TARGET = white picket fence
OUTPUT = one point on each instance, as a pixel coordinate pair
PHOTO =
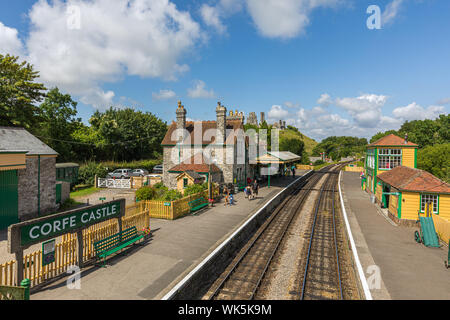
(114, 183)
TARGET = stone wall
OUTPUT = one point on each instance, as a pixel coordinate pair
(28, 187)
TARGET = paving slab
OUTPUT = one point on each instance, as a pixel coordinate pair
(175, 248)
(408, 270)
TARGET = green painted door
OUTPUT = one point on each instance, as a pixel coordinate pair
(9, 198)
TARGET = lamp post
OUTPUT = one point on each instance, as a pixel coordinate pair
(210, 193)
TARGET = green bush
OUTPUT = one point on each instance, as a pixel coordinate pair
(318, 162)
(172, 195)
(142, 164)
(194, 188)
(87, 172)
(146, 193)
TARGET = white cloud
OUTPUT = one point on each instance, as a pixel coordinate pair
(292, 105)
(277, 113)
(9, 41)
(324, 100)
(284, 19)
(163, 95)
(414, 111)
(444, 101)
(391, 11)
(199, 91)
(365, 109)
(145, 38)
(211, 17)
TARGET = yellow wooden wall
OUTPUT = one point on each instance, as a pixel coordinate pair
(12, 161)
(180, 183)
(408, 157)
(444, 206)
(410, 205)
(393, 204)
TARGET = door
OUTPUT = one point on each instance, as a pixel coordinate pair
(9, 198)
(386, 189)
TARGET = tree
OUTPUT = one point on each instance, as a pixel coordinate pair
(58, 123)
(19, 93)
(126, 134)
(291, 144)
(435, 160)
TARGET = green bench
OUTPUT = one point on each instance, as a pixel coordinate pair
(116, 242)
(197, 204)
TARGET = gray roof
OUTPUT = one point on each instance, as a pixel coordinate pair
(67, 165)
(284, 155)
(194, 174)
(12, 139)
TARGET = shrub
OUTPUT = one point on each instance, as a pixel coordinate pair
(193, 189)
(172, 195)
(87, 172)
(318, 162)
(146, 193)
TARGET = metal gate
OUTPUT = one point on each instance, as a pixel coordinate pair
(9, 198)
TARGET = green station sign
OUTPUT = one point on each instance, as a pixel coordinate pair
(24, 234)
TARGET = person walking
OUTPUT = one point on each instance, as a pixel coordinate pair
(255, 188)
(226, 193)
(248, 191)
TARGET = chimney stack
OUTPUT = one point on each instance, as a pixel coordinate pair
(181, 121)
(262, 117)
(221, 114)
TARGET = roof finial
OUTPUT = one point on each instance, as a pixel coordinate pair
(179, 104)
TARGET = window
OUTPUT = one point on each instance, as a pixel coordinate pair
(432, 198)
(185, 182)
(389, 158)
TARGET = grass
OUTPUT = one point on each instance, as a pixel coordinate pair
(309, 143)
(84, 192)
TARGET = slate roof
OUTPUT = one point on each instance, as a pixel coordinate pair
(411, 179)
(205, 125)
(196, 163)
(12, 139)
(194, 175)
(392, 140)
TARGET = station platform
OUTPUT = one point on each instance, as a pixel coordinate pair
(176, 247)
(408, 270)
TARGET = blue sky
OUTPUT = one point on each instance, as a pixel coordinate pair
(314, 63)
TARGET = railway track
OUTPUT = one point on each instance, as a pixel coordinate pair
(322, 271)
(242, 278)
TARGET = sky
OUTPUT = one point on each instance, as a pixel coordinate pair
(318, 64)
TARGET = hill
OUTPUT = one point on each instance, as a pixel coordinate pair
(294, 133)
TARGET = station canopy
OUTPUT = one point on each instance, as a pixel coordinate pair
(277, 157)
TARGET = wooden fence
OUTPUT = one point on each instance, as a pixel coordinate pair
(354, 169)
(304, 167)
(66, 250)
(170, 210)
(442, 227)
(137, 215)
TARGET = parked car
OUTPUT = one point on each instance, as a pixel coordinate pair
(158, 168)
(139, 173)
(120, 174)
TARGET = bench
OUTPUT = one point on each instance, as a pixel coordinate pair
(116, 242)
(197, 204)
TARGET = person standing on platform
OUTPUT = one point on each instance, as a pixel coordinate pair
(226, 193)
(293, 171)
(255, 188)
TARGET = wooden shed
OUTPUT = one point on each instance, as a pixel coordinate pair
(406, 191)
(187, 178)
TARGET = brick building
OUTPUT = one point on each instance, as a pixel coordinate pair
(27, 176)
(218, 146)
